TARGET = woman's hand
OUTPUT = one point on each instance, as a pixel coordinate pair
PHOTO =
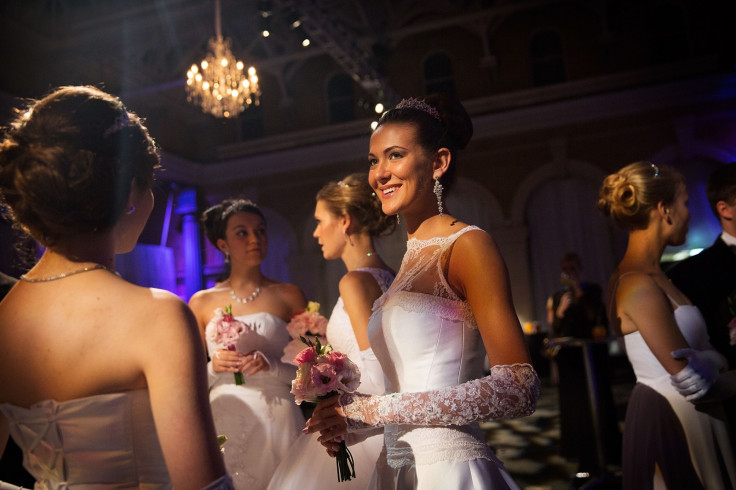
(227, 361)
(329, 420)
(254, 362)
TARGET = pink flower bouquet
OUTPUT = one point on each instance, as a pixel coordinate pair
(306, 323)
(226, 333)
(321, 373)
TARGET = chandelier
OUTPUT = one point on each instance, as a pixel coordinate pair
(219, 85)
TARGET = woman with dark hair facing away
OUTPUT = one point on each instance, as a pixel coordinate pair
(259, 417)
(349, 218)
(667, 441)
(449, 306)
(102, 383)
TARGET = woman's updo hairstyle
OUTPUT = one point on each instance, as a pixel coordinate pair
(215, 218)
(68, 162)
(440, 120)
(629, 195)
(354, 196)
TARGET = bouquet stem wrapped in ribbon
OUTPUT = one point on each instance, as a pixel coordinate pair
(322, 373)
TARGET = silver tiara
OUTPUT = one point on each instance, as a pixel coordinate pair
(419, 105)
(120, 122)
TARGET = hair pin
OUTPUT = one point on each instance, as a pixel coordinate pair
(656, 170)
(419, 105)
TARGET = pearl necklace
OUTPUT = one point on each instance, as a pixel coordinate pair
(250, 298)
(67, 274)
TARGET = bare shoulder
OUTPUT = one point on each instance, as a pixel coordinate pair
(360, 283)
(475, 248)
(290, 294)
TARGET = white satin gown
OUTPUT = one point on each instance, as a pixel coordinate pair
(259, 418)
(307, 466)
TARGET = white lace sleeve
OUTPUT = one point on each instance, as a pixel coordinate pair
(509, 391)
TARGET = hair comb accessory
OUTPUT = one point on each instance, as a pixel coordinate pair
(120, 122)
(342, 184)
(419, 105)
(656, 170)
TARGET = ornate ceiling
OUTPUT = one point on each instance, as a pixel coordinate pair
(141, 49)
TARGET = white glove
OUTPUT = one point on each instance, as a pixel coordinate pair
(509, 391)
(695, 379)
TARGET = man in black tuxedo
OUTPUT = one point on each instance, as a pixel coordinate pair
(709, 278)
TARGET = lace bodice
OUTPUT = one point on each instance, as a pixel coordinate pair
(430, 349)
(106, 440)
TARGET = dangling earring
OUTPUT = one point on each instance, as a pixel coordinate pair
(227, 257)
(398, 219)
(131, 209)
(438, 192)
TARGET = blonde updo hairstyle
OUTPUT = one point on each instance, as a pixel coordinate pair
(354, 196)
(629, 195)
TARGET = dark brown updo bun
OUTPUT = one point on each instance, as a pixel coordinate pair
(354, 196)
(68, 162)
(629, 195)
(440, 120)
(215, 218)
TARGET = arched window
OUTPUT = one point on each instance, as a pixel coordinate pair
(438, 76)
(341, 98)
(545, 56)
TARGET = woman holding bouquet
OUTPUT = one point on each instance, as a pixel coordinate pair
(102, 383)
(259, 417)
(349, 217)
(449, 306)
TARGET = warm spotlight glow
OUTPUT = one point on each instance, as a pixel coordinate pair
(374, 125)
(306, 42)
(379, 108)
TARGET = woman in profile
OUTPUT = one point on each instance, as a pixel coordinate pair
(102, 383)
(449, 306)
(259, 417)
(667, 441)
(349, 218)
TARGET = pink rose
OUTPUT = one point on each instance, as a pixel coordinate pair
(306, 356)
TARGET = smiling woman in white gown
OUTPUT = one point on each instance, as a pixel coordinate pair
(259, 417)
(349, 216)
(102, 382)
(449, 305)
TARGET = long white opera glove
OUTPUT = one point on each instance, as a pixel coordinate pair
(702, 369)
(509, 391)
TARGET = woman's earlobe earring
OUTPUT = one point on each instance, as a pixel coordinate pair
(438, 192)
(131, 209)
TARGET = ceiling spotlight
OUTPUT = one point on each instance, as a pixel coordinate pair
(379, 108)
(374, 125)
(306, 42)
(293, 19)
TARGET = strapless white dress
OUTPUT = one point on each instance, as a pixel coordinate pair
(259, 417)
(706, 435)
(307, 466)
(102, 441)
